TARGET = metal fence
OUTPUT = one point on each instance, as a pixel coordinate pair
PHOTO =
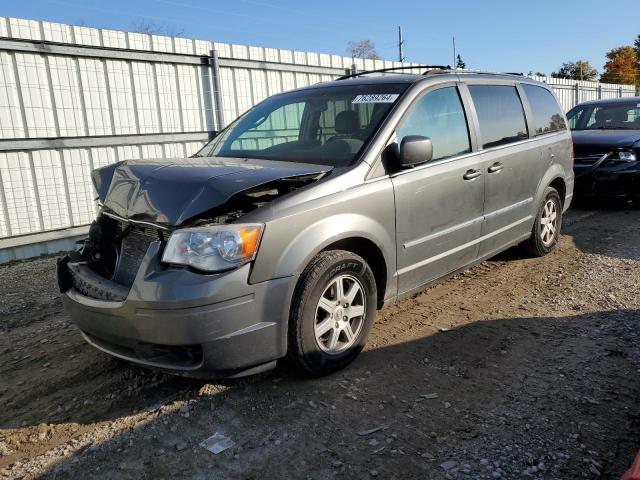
(74, 98)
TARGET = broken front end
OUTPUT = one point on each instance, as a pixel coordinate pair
(162, 278)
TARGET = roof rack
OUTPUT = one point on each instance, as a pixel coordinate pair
(427, 68)
(485, 72)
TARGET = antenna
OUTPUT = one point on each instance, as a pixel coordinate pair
(454, 54)
(400, 45)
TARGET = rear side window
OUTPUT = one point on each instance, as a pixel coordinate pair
(547, 116)
(500, 114)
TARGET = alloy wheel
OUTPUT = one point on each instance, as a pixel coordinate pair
(340, 314)
(549, 223)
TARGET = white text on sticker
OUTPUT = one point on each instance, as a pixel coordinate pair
(376, 98)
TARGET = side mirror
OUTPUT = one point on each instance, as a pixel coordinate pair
(415, 149)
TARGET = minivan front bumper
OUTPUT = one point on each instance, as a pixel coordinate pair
(188, 323)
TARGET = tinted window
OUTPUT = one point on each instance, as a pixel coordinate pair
(439, 115)
(614, 116)
(500, 114)
(547, 116)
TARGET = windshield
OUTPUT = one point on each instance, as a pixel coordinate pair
(613, 116)
(329, 125)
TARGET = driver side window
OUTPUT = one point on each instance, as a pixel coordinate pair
(438, 115)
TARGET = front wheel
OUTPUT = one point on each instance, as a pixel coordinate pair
(333, 310)
(546, 229)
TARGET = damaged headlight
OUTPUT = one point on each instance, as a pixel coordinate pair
(627, 156)
(214, 248)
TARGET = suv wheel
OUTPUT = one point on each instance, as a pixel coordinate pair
(333, 310)
(546, 229)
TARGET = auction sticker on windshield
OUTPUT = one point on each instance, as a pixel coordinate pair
(376, 98)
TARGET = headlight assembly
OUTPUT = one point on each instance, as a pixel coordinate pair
(214, 248)
(627, 156)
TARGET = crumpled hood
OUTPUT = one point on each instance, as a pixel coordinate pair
(606, 138)
(170, 191)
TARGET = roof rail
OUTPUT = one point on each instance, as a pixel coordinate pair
(485, 72)
(393, 69)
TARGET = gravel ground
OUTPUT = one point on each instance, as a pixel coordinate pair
(518, 368)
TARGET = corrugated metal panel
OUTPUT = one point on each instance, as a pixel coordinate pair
(19, 194)
(10, 112)
(81, 194)
(121, 94)
(96, 98)
(34, 85)
(146, 107)
(66, 93)
(52, 189)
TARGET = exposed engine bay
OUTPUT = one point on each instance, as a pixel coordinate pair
(116, 246)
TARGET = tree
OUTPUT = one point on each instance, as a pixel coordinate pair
(460, 63)
(536, 74)
(636, 45)
(363, 49)
(151, 28)
(578, 70)
(621, 66)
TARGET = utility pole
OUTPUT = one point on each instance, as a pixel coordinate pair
(454, 53)
(400, 45)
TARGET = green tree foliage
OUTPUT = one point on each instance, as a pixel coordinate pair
(578, 70)
(460, 63)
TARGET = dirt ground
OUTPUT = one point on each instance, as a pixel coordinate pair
(518, 368)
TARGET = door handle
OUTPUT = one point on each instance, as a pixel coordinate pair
(496, 167)
(471, 174)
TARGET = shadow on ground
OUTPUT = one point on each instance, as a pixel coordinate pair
(520, 391)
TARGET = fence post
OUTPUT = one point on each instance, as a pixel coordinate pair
(354, 69)
(217, 89)
(620, 92)
(577, 94)
(599, 91)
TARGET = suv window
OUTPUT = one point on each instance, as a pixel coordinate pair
(500, 114)
(439, 115)
(547, 116)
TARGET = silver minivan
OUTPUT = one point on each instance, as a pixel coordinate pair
(317, 207)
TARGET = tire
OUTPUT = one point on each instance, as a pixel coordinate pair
(541, 242)
(315, 296)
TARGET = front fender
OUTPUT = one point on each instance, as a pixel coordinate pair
(289, 242)
(307, 243)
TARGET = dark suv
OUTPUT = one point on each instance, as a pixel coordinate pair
(606, 138)
(311, 211)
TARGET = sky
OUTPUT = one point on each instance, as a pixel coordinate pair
(508, 36)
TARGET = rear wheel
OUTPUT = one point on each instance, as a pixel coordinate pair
(546, 229)
(332, 313)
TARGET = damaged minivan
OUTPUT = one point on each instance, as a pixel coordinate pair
(317, 207)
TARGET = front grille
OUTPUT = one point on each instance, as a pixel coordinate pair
(588, 154)
(133, 247)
